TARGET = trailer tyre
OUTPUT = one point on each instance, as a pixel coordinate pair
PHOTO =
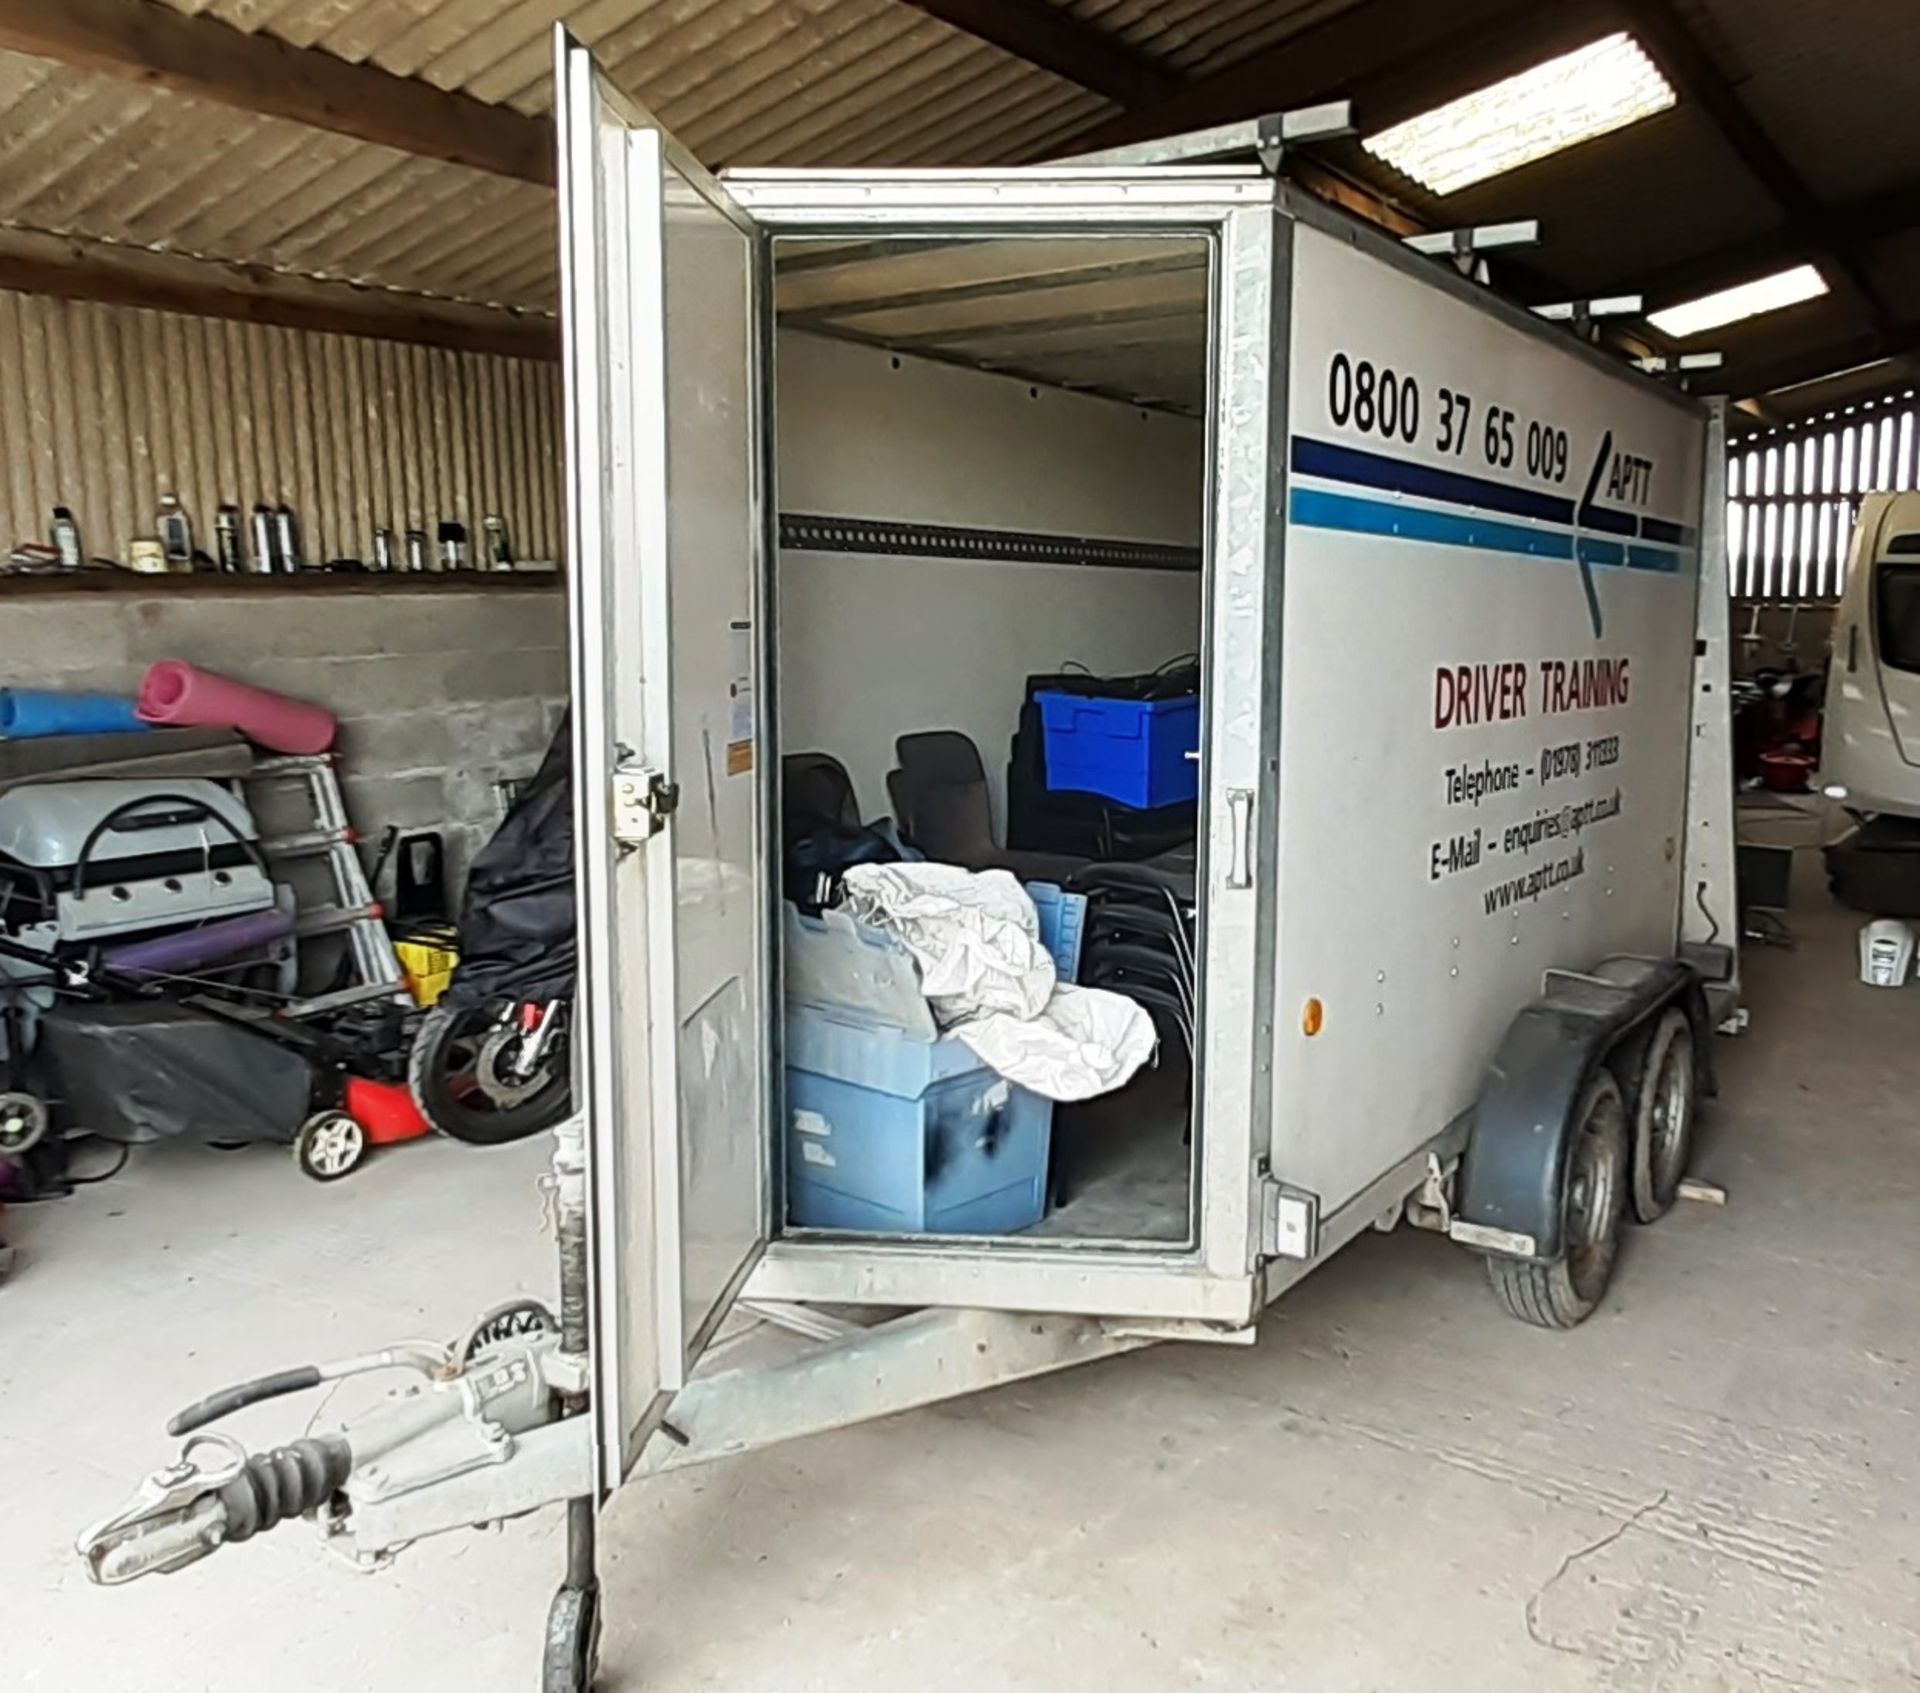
(1663, 1117)
(1564, 1293)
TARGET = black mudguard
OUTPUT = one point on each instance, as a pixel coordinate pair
(1513, 1172)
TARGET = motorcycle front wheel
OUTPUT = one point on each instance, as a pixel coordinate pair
(464, 1074)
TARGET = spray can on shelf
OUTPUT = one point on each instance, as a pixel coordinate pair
(264, 551)
(286, 538)
(228, 554)
(499, 548)
(453, 546)
(416, 549)
(176, 532)
(64, 533)
(383, 549)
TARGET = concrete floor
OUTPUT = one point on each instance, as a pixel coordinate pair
(1710, 1486)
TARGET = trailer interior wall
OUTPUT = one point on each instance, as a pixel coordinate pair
(871, 646)
(877, 645)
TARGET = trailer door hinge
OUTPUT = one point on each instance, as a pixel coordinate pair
(1289, 1221)
(643, 800)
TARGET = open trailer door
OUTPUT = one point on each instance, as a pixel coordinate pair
(662, 291)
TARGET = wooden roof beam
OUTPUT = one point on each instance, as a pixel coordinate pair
(68, 269)
(205, 59)
(1056, 41)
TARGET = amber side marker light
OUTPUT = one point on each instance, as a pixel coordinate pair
(1312, 1015)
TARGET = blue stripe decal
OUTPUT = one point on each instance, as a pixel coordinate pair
(1377, 470)
(1673, 534)
(1365, 469)
(1608, 518)
(1349, 512)
(1317, 508)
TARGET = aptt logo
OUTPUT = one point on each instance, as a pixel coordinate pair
(1629, 477)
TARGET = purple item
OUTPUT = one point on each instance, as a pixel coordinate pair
(192, 949)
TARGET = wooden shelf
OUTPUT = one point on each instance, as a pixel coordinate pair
(54, 585)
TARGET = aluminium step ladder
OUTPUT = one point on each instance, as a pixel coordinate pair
(350, 909)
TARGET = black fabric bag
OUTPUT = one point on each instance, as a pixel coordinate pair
(817, 860)
(517, 915)
(152, 1070)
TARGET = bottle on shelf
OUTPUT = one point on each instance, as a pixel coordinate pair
(286, 539)
(229, 551)
(176, 532)
(499, 548)
(265, 554)
(64, 533)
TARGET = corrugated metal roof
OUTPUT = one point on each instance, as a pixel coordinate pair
(1197, 37)
(862, 82)
(832, 82)
(764, 82)
(96, 157)
(1832, 82)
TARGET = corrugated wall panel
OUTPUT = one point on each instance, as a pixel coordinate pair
(109, 407)
(1794, 494)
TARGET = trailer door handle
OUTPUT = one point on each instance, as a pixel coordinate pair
(1853, 646)
(1240, 837)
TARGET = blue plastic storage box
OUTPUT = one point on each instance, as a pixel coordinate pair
(892, 1129)
(1133, 751)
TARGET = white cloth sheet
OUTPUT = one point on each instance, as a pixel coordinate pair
(991, 984)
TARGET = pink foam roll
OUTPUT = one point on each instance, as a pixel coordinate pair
(183, 696)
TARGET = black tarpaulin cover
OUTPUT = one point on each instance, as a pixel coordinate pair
(516, 920)
(151, 1069)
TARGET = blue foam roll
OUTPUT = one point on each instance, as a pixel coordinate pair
(27, 713)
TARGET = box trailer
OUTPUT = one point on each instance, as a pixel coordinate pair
(1463, 884)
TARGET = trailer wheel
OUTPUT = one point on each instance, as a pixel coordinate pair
(1663, 1117)
(1564, 1293)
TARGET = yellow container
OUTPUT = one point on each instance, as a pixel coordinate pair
(428, 969)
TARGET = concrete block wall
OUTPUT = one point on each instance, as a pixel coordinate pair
(441, 694)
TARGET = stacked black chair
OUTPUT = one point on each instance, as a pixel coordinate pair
(1139, 941)
(1140, 938)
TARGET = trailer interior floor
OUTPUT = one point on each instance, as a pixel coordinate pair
(1710, 1486)
(1127, 1162)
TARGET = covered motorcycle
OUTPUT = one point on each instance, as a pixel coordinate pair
(490, 1063)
